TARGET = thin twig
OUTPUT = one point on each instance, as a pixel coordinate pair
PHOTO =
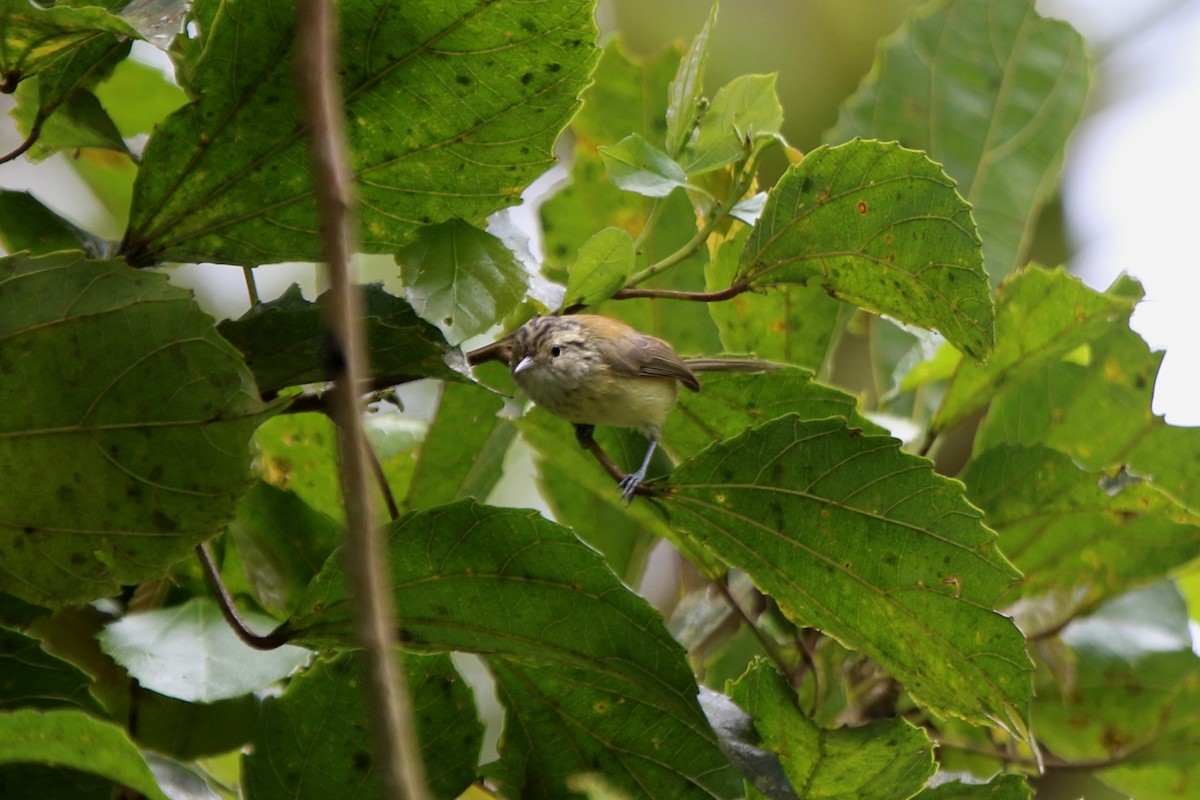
(251, 287)
(675, 294)
(397, 759)
(212, 576)
(770, 647)
(385, 488)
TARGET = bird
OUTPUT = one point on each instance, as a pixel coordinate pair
(594, 370)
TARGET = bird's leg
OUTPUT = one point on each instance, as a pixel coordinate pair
(631, 482)
(583, 435)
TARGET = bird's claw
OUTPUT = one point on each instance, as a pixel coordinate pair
(629, 485)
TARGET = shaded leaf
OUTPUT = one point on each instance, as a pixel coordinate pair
(194, 730)
(605, 262)
(562, 722)
(72, 739)
(881, 227)
(1041, 315)
(77, 121)
(312, 741)
(37, 38)
(991, 91)
(226, 178)
(109, 373)
(742, 113)
(190, 652)
(1130, 627)
(866, 543)
(1006, 786)
(285, 341)
(460, 278)
(635, 165)
(26, 224)
(883, 760)
(32, 678)
(513, 586)
(626, 96)
(1061, 528)
(282, 542)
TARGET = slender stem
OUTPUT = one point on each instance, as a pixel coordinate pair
(675, 294)
(769, 646)
(251, 287)
(212, 576)
(397, 759)
(385, 488)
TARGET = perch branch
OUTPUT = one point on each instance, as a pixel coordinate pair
(396, 753)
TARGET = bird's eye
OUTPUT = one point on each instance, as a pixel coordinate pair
(555, 351)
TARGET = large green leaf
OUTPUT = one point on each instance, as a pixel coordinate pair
(72, 739)
(525, 592)
(312, 741)
(885, 760)
(881, 227)
(26, 224)
(109, 376)
(284, 341)
(1064, 531)
(36, 38)
(865, 542)
(1100, 413)
(226, 178)
(1005, 786)
(991, 91)
(1041, 315)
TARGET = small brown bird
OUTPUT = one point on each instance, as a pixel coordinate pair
(592, 370)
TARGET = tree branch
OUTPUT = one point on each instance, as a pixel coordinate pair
(212, 576)
(396, 752)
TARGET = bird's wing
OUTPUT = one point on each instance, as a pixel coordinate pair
(642, 356)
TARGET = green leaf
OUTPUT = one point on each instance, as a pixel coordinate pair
(1135, 625)
(109, 374)
(854, 537)
(635, 165)
(744, 111)
(1041, 315)
(26, 224)
(226, 179)
(604, 265)
(312, 742)
(463, 452)
(37, 38)
(687, 88)
(883, 760)
(32, 678)
(282, 542)
(1141, 716)
(511, 585)
(137, 97)
(729, 403)
(193, 730)
(787, 323)
(1061, 528)
(1100, 414)
(163, 648)
(77, 121)
(460, 278)
(284, 341)
(562, 723)
(991, 91)
(1006, 786)
(881, 227)
(72, 739)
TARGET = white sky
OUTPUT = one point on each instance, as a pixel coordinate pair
(1132, 176)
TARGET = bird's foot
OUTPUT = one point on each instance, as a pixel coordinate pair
(630, 483)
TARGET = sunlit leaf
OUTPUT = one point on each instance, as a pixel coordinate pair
(460, 278)
(605, 262)
(854, 537)
(1061, 528)
(687, 88)
(109, 375)
(743, 112)
(635, 165)
(991, 91)
(227, 179)
(882, 227)
(36, 38)
(72, 739)
(1041, 315)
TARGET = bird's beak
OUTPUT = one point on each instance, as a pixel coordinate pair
(524, 364)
